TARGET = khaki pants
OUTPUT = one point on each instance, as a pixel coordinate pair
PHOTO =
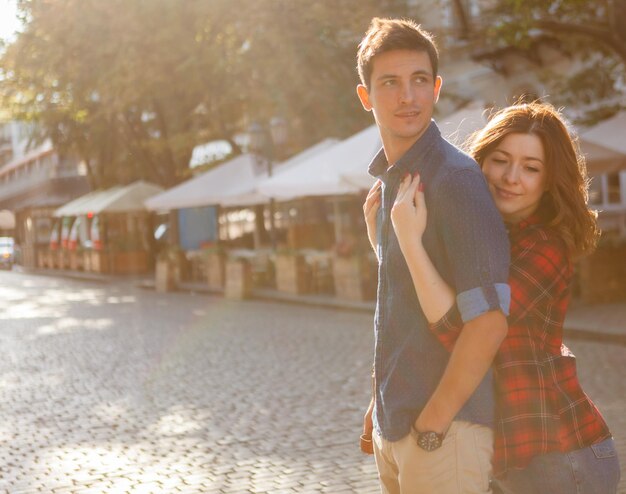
(461, 466)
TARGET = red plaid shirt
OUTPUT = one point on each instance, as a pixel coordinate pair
(541, 407)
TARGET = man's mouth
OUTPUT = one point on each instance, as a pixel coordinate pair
(407, 114)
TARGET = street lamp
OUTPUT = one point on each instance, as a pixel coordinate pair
(264, 141)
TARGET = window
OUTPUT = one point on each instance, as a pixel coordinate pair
(595, 192)
(614, 195)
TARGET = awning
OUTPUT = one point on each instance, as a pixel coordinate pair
(323, 174)
(461, 124)
(604, 145)
(342, 169)
(118, 199)
(234, 183)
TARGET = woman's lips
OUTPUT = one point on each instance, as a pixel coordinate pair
(505, 194)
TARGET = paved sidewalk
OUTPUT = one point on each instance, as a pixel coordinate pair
(109, 388)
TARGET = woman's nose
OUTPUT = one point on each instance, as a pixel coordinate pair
(511, 174)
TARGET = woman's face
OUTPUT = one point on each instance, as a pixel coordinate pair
(516, 174)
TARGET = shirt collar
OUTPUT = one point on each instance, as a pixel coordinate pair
(533, 219)
(411, 161)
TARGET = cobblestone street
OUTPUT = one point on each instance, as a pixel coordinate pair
(110, 388)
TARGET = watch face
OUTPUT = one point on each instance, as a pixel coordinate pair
(429, 441)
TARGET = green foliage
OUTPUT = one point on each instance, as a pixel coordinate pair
(590, 32)
(131, 86)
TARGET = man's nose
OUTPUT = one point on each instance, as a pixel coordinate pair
(406, 94)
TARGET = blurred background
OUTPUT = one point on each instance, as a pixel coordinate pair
(221, 142)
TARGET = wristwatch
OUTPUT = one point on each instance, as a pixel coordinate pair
(429, 440)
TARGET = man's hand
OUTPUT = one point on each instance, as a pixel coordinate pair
(368, 425)
(367, 445)
(470, 360)
(370, 209)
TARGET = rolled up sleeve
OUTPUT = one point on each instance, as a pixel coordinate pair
(477, 245)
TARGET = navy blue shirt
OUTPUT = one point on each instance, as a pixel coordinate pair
(466, 240)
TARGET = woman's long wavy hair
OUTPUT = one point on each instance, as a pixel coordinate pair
(564, 205)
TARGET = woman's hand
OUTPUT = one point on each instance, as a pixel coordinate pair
(370, 209)
(408, 214)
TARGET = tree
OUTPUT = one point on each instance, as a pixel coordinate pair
(111, 82)
(131, 86)
(592, 33)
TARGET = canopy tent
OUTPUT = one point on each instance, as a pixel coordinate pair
(604, 145)
(254, 196)
(456, 127)
(343, 168)
(461, 124)
(233, 183)
(321, 175)
(118, 199)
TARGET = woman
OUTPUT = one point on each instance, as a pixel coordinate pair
(549, 436)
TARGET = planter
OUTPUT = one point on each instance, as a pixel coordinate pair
(42, 258)
(216, 270)
(354, 279)
(87, 260)
(99, 261)
(63, 259)
(131, 262)
(292, 274)
(51, 259)
(238, 283)
(164, 276)
(75, 260)
(602, 275)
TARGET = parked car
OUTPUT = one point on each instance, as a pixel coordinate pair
(7, 252)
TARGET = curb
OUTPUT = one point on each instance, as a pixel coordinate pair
(268, 295)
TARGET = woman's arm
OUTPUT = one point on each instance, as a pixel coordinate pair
(540, 272)
(408, 216)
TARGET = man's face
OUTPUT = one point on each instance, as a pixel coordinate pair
(402, 95)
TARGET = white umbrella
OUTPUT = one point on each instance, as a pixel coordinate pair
(233, 183)
(610, 133)
(604, 145)
(252, 194)
(456, 127)
(232, 177)
(323, 174)
(118, 199)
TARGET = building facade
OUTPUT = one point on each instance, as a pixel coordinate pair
(34, 181)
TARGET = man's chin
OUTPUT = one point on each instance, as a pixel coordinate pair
(410, 133)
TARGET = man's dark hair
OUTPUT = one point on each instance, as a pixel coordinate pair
(386, 35)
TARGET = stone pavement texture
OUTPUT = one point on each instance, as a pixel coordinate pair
(110, 388)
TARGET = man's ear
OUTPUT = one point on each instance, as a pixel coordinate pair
(438, 84)
(364, 96)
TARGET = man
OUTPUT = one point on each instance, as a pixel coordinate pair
(432, 412)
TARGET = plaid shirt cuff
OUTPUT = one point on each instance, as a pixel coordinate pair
(448, 328)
